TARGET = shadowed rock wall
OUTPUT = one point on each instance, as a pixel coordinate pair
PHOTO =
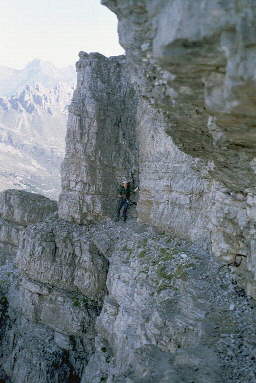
(114, 130)
(52, 285)
(195, 61)
(101, 138)
(18, 209)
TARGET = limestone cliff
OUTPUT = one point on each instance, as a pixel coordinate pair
(101, 138)
(116, 302)
(166, 298)
(113, 132)
(195, 61)
(18, 209)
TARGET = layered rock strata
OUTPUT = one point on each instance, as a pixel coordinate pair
(195, 61)
(175, 188)
(172, 313)
(50, 298)
(18, 209)
(113, 132)
(54, 304)
(123, 303)
(101, 138)
(177, 191)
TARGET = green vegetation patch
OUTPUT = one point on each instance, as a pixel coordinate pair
(166, 286)
(180, 271)
(167, 254)
(127, 250)
(142, 254)
(4, 301)
(167, 278)
(143, 242)
(3, 284)
(161, 272)
(82, 301)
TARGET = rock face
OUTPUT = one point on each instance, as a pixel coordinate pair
(25, 208)
(113, 132)
(203, 57)
(101, 138)
(69, 261)
(175, 189)
(167, 298)
(54, 304)
(50, 298)
(172, 314)
(122, 303)
(18, 209)
(195, 63)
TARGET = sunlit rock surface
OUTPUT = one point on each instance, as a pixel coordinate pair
(195, 61)
(169, 297)
(115, 302)
(18, 209)
(172, 313)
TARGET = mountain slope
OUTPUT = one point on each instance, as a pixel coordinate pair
(33, 127)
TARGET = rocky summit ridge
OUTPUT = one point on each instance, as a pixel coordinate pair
(168, 296)
(13, 81)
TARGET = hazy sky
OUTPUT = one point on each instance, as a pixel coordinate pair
(55, 30)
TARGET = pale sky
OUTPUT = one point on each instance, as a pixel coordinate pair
(55, 30)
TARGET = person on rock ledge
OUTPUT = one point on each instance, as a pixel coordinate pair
(124, 193)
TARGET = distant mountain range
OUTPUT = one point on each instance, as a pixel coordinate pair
(33, 115)
(37, 71)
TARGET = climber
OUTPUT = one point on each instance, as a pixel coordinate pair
(124, 193)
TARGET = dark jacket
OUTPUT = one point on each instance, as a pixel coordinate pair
(125, 193)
